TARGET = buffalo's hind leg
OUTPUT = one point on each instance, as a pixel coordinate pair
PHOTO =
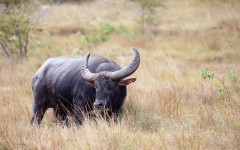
(38, 113)
(41, 101)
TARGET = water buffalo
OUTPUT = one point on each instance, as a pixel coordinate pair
(77, 85)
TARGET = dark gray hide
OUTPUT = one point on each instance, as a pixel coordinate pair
(59, 84)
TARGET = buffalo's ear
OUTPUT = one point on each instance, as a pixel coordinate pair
(91, 84)
(125, 82)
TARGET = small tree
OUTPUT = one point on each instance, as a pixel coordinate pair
(147, 8)
(14, 28)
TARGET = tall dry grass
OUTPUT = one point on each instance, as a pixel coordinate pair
(168, 107)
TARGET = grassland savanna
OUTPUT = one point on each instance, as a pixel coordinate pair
(170, 106)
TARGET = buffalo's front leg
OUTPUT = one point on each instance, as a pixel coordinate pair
(78, 115)
(80, 108)
(61, 115)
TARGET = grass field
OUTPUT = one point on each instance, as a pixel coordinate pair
(169, 106)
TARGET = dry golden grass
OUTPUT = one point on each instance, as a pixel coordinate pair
(169, 107)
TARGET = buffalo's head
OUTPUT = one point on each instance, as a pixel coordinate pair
(107, 84)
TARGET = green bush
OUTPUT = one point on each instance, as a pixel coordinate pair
(14, 28)
(220, 86)
(101, 36)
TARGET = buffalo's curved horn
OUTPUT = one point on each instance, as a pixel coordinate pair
(127, 70)
(86, 73)
(116, 75)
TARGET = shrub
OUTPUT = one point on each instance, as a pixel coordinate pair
(220, 86)
(14, 28)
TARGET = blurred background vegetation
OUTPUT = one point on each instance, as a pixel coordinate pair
(19, 19)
